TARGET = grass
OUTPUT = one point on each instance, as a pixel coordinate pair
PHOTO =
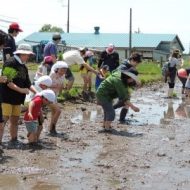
(148, 72)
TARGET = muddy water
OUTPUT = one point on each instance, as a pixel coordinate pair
(150, 151)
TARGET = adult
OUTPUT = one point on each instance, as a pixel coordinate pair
(14, 93)
(174, 62)
(50, 48)
(109, 57)
(3, 79)
(76, 57)
(132, 62)
(10, 46)
(116, 86)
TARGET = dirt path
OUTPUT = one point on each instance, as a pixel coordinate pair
(150, 153)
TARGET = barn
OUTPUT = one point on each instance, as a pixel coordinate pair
(155, 47)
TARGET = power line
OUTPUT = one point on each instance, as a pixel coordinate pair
(7, 21)
(8, 17)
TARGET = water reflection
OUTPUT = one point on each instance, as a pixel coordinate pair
(181, 111)
(161, 112)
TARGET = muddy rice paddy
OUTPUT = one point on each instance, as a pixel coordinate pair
(148, 152)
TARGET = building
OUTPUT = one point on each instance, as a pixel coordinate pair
(152, 46)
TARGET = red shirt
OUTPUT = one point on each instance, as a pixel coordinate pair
(36, 109)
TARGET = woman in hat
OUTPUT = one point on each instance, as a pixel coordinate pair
(174, 62)
(3, 79)
(132, 62)
(116, 86)
(14, 92)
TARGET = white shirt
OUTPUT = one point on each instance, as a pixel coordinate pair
(42, 69)
(73, 57)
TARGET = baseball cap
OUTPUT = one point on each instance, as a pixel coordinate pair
(44, 80)
(48, 94)
(24, 49)
(15, 26)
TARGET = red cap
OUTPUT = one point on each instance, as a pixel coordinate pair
(15, 26)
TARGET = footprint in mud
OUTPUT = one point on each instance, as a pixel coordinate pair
(120, 133)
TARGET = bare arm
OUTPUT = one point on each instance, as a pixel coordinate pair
(30, 108)
(133, 107)
(88, 67)
(13, 86)
(32, 89)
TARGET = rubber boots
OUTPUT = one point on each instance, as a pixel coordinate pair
(123, 114)
(170, 92)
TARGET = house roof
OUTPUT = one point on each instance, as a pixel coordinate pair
(103, 39)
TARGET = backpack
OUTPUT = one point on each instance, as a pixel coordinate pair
(165, 69)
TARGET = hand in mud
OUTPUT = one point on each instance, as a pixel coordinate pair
(136, 109)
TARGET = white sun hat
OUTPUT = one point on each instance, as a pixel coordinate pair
(44, 80)
(48, 94)
(59, 65)
(24, 49)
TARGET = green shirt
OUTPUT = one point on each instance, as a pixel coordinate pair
(112, 87)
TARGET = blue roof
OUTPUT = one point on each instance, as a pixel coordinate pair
(103, 39)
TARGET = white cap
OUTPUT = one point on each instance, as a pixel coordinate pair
(24, 49)
(48, 94)
(44, 80)
(59, 65)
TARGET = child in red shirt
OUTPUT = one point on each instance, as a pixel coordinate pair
(45, 97)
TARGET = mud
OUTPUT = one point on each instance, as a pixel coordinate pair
(149, 151)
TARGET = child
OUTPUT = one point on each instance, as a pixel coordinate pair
(57, 75)
(85, 73)
(34, 111)
(3, 79)
(183, 76)
(43, 83)
(42, 68)
(104, 73)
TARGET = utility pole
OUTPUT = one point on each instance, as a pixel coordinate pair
(130, 32)
(68, 14)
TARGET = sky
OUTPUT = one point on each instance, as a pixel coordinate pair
(148, 16)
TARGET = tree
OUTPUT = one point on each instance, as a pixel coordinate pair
(49, 28)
